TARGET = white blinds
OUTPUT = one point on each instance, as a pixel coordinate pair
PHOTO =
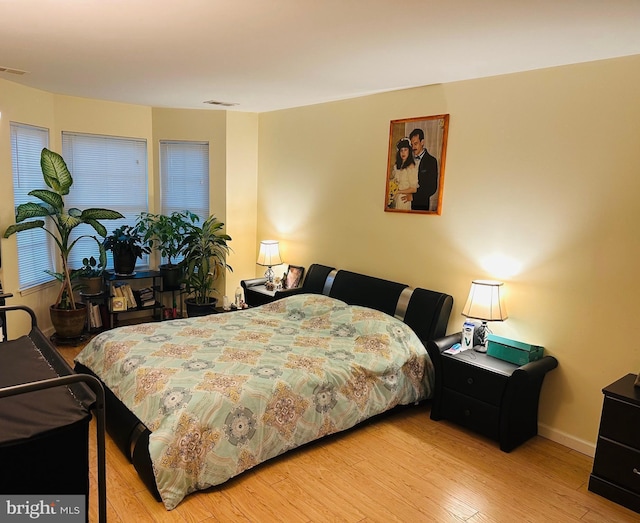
(184, 177)
(35, 250)
(108, 172)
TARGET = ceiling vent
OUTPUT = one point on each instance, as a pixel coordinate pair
(12, 71)
(223, 104)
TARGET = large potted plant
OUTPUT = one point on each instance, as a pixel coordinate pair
(166, 233)
(127, 245)
(67, 316)
(205, 256)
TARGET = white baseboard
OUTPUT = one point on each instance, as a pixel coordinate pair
(585, 447)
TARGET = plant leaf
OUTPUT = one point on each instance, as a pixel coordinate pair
(49, 197)
(99, 228)
(68, 221)
(55, 172)
(17, 227)
(100, 214)
(31, 210)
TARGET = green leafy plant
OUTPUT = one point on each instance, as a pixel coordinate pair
(58, 222)
(126, 238)
(205, 255)
(92, 268)
(166, 233)
(127, 245)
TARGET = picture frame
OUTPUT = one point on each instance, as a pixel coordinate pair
(293, 278)
(416, 186)
(118, 304)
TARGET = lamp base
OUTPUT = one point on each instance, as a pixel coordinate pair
(269, 274)
(482, 331)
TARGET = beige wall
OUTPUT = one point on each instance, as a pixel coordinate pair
(542, 171)
(241, 195)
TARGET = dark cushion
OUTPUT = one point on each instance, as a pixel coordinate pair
(428, 313)
(367, 291)
(316, 276)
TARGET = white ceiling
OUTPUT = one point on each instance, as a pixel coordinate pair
(273, 54)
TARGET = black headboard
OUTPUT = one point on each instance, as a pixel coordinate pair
(368, 291)
(426, 312)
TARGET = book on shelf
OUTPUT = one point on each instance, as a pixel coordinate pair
(146, 297)
(95, 316)
(123, 290)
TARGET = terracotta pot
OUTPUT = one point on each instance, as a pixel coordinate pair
(68, 323)
(92, 286)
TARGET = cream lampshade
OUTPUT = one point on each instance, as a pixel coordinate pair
(269, 256)
(486, 303)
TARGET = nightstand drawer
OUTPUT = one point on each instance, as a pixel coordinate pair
(472, 413)
(475, 382)
(618, 464)
(621, 422)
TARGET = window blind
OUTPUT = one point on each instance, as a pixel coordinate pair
(108, 172)
(184, 178)
(35, 248)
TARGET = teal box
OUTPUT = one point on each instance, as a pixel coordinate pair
(513, 351)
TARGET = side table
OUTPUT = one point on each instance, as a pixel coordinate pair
(492, 397)
(255, 292)
(616, 466)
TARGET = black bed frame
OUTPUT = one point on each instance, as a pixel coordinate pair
(426, 312)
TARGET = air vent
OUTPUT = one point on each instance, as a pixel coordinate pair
(12, 71)
(223, 104)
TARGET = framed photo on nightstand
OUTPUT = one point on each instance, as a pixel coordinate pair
(293, 277)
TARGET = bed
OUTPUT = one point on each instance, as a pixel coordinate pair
(196, 401)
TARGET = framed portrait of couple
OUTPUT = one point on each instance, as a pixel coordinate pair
(415, 170)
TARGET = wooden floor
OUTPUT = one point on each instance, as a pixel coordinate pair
(400, 467)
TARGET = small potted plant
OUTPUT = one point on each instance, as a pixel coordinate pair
(92, 271)
(67, 316)
(166, 233)
(205, 255)
(127, 245)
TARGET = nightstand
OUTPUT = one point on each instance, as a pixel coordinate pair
(255, 293)
(492, 397)
(616, 467)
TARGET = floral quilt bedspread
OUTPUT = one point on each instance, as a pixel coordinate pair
(225, 392)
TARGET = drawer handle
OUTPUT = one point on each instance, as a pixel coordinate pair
(636, 471)
(470, 381)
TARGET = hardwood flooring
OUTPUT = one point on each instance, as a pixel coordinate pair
(400, 467)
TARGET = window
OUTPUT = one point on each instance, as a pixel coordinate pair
(184, 178)
(35, 250)
(108, 172)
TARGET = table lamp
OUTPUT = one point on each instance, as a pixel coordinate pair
(269, 256)
(486, 303)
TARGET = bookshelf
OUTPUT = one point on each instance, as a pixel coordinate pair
(133, 294)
